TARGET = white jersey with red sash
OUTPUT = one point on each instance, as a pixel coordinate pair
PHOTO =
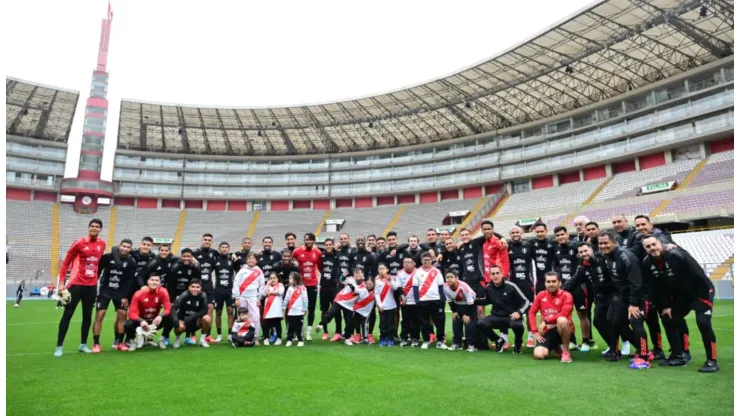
(428, 282)
(274, 303)
(365, 301)
(406, 282)
(249, 284)
(347, 297)
(384, 293)
(463, 295)
(296, 301)
(241, 328)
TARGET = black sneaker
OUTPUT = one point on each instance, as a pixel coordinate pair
(673, 361)
(500, 344)
(687, 356)
(709, 367)
(614, 357)
(658, 354)
(606, 353)
(517, 351)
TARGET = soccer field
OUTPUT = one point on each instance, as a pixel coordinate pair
(332, 379)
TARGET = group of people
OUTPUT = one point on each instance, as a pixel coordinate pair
(633, 275)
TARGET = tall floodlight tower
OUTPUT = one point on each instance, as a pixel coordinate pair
(87, 186)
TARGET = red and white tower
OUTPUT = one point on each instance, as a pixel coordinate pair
(87, 187)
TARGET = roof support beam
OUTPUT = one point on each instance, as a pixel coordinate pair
(182, 131)
(24, 109)
(243, 132)
(474, 126)
(426, 103)
(206, 142)
(301, 131)
(289, 145)
(267, 141)
(161, 124)
(389, 136)
(143, 128)
(415, 138)
(373, 143)
(45, 117)
(498, 121)
(329, 144)
(227, 143)
(717, 47)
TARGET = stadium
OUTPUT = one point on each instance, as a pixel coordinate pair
(625, 108)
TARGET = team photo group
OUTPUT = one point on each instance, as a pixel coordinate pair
(626, 283)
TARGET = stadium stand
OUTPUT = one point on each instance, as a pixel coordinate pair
(694, 203)
(605, 214)
(73, 225)
(712, 249)
(720, 167)
(225, 226)
(571, 194)
(417, 219)
(628, 184)
(362, 221)
(276, 223)
(29, 235)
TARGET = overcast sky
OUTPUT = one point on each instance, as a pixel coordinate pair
(258, 53)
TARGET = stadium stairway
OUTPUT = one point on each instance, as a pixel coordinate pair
(112, 221)
(320, 227)
(253, 224)
(598, 190)
(469, 217)
(720, 272)
(394, 220)
(489, 215)
(683, 185)
(55, 232)
(178, 234)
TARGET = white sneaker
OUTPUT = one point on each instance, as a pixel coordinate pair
(161, 344)
(572, 346)
(319, 329)
(278, 341)
(300, 343)
(139, 337)
(472, 349)
(289, 343)
(441, 345)
(203, 343)
(132, 346)
(176, 344)
(424, 345)
(229, 338)
(266, 342)
(585, 347)
(348, 342)
(625, 348)
(308, 335)
(219, 339)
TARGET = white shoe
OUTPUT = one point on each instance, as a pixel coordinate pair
(203, 343)
(425, 346)
(572, 346)
(300, 343)
(162, 345)
(132, 346)
(319, 329)
(308, 335)
(229, 338)
(625, 348)
(176, 344)
(585, 347)
(139, 337)
(348, 342)
(441, 345)
(278, 341)
(289, 343)
(219, 339)
(266, 342)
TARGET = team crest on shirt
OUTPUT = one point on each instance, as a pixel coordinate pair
(557, 302)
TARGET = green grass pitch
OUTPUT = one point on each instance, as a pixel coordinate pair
(330, 379)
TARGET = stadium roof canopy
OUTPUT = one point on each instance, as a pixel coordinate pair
(39, 111)
(604, 50)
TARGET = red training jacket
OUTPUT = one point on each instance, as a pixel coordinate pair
(552, 307)
(309, 265)
(494, 253)
(84, 257)
(146, 304)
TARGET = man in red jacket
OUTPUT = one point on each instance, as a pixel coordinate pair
(494, 252)
(556, 307)
(309, 266)
(144, 312)
(83, 258)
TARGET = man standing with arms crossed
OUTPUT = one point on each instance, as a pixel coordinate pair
(84, 257)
